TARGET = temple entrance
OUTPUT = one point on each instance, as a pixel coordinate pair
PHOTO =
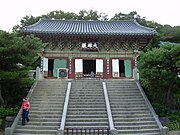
(121, 68)
(84, 68)
(89, 66)
(54, 64)
(50, 67)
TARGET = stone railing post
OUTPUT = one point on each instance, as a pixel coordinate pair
(113, 131)
(60, 131)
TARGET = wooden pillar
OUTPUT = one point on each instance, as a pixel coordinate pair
(71, 68)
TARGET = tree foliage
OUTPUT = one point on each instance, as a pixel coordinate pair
(17, 54)
(170, 34)
(159, 69)
(82, 15)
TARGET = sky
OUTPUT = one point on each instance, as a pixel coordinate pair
(161, 11)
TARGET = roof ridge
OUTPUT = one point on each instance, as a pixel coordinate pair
(70, 20)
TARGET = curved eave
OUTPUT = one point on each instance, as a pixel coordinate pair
(88, 34)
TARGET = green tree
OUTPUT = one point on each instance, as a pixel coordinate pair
(171, 34)
(16, 55)
(82, 15)
(91, 15)
(159, 69)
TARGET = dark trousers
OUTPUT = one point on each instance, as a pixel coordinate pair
(25, 117)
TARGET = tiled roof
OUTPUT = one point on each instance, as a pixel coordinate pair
(77, 27)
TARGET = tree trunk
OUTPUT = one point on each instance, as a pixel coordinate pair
(170, 93)
(1, 98)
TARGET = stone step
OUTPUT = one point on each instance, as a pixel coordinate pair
(47, 102)
(117, 98)
(134, 119)
(34, 123)
(86, 112)
(87, 109)
(32, 115)
(50, 90)
(45, 112)
(88, 91)
(142, 133)
(122, 86)
(128, 106)
(127, 123)
(126, 93)
(102, 119)
(126, 100)
(93, 116)
(86, 103)
(138, 131)
(130, 127)
(127, 103)
(87, 127)
(37, 131)
(131, 115)
(132, 112)
(44, 109)
(89, 123)
(86, 99)
(32, 119)
(37, 127)
(123, 91)
(86, 86)
(42, 106)
(51, 84)
(48, 87)
(40, 96)
(87, 96)
(131, 109)
(49, 94)
(87, 106)
(50, 100)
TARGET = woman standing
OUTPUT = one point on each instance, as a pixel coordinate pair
(25, 111)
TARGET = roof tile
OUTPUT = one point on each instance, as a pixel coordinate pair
(89, 27)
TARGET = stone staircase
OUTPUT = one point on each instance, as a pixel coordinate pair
(47, 102)
(130, 112)
(86, 109)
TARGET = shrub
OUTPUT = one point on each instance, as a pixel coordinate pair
(8, 111)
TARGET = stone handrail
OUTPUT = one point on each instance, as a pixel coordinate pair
(60, 131)
(164, 130)
(111, 123)
(9, 130)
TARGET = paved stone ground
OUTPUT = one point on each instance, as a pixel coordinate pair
(174, 132)
(170, 133)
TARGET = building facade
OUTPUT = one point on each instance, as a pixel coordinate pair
(80, 49)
